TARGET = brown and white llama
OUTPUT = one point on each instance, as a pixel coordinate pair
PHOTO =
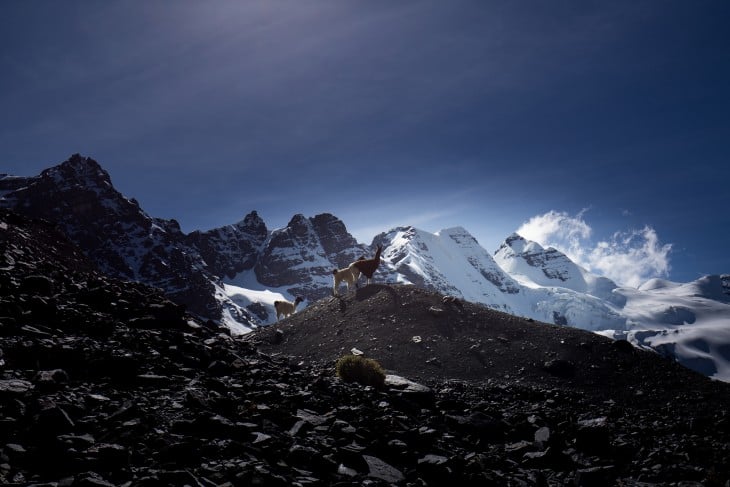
(368, 266)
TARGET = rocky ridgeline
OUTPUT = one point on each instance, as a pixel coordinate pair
(104, 382)
(123, 241)
(231, 249)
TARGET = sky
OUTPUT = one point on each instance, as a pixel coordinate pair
(600, 128)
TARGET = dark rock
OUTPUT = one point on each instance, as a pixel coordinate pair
(435, 468)
(623, 346)
(542, 437)
(14, 387)
(51, 379)
(560, 368)
(37, 285)
(52, 420)
(593, 436)
(380, 470)
(301, 456)
(277, 337)
(595, 476)
(538, 459)
(219, 368)
(108, 457)
(92, 479)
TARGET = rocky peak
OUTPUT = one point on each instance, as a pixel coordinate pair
(298, 228)
(334, 238)
(514, 244)
(461, 236)
(527, 260)
(450, 261)
(79, 171)
(231, 249)
(253, 224)
(114, 232)
(517, 254)
(386, 239)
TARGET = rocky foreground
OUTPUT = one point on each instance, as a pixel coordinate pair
(104, 382)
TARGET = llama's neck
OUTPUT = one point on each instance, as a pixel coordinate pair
(377, 254)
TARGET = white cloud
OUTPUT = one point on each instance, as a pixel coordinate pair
(628, 257)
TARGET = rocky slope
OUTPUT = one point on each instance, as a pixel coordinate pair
(423, 335)
(105, 382)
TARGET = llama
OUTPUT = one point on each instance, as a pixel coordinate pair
(368, 266)
(286, 308)
(349, 274)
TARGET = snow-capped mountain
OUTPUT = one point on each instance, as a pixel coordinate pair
(233, 274)
(452, 262)
(689, 322)
(534, 266)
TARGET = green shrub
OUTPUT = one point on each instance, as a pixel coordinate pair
(366, 371)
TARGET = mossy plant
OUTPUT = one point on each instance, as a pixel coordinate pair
(366, 371)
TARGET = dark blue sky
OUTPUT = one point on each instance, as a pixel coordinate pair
(482, 114)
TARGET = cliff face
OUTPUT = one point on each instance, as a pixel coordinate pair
(231, 249)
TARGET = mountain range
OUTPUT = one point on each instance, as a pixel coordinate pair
(233, 274)
(106, 382)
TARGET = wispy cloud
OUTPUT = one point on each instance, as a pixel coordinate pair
(629, 257)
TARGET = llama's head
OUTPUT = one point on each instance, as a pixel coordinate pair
(298, 300)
